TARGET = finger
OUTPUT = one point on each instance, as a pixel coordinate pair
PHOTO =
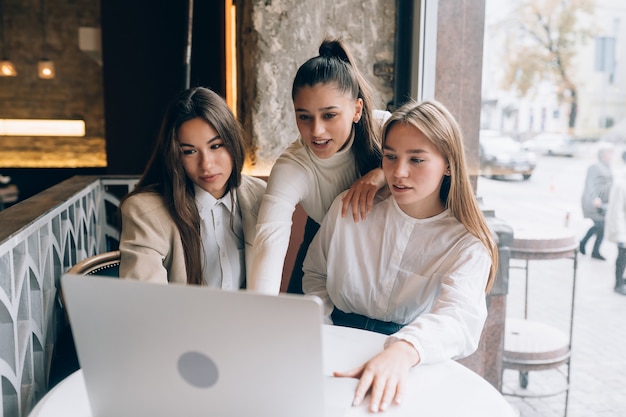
(347, 201)
(367, 202)
(389, 393)
(355, 206)
(352, 373)
(362, 387)
(400, 391)
(370, 199)
(376, 394)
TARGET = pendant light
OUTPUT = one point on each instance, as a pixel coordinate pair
(7, 69)
(45, 67)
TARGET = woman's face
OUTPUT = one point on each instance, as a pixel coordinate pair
(325, 116)
(414, 170)
(205, 158)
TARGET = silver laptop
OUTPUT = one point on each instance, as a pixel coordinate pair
(149, 350)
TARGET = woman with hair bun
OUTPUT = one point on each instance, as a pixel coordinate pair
(338, 149)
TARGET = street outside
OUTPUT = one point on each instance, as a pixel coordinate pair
(550, 200)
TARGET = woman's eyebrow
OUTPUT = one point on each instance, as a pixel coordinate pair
(417, 151)
(320, 109)
(213, 139)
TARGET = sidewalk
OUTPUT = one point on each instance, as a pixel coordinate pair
(598, 364)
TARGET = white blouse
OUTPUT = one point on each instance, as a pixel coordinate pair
(221, 230)
(429, 274)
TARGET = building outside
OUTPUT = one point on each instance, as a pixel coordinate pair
(598, 73)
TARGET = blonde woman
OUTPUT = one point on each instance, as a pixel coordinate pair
(419, 266)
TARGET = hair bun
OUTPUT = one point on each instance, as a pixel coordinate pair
(333, 48)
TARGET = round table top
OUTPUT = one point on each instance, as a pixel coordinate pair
(442, 389)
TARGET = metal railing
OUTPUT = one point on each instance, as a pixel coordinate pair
(40, 238)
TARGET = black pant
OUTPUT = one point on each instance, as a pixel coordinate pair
(598, 230)
(295, 282)
(620, 266)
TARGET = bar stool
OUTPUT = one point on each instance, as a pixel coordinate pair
(532, 345)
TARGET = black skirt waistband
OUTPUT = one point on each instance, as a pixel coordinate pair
(359, 321)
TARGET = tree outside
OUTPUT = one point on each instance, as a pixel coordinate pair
(554, 66)
(543, 46)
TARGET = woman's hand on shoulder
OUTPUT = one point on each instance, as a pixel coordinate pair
(360, 196)
(385, 376)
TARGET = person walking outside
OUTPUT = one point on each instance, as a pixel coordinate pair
(595, 197)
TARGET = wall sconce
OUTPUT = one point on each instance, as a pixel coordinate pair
(45, 67)
(7, 69)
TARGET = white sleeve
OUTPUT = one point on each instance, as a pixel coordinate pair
(315, 266)
(453, 327)
(615, 220)
(286, 186)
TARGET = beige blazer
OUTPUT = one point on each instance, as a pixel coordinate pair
(150, 244)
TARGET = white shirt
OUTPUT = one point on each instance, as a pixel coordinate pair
(429, 274)
(298, 176)
(615, 219)
(221, 230)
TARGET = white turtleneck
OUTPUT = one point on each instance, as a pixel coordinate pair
(298, 176)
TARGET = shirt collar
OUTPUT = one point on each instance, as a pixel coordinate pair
(445, 213)
(205, 201)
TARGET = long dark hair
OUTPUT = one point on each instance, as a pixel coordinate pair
(166, 176)
(334, 64)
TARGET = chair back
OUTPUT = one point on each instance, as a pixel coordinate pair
(106, 264)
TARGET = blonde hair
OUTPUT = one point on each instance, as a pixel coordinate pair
(456, 192)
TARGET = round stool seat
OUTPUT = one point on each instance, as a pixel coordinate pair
(550, 243)
(533, 345)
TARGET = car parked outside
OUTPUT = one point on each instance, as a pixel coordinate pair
(616, 133)
(501, 155)
(553, 144)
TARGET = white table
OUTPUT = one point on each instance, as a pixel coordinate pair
(444, 389)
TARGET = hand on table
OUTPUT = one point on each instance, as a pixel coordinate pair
(361, 194)
(385, 376)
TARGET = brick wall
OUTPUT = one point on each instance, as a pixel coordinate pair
(76, 92)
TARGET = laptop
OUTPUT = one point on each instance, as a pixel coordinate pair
(149, 350)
